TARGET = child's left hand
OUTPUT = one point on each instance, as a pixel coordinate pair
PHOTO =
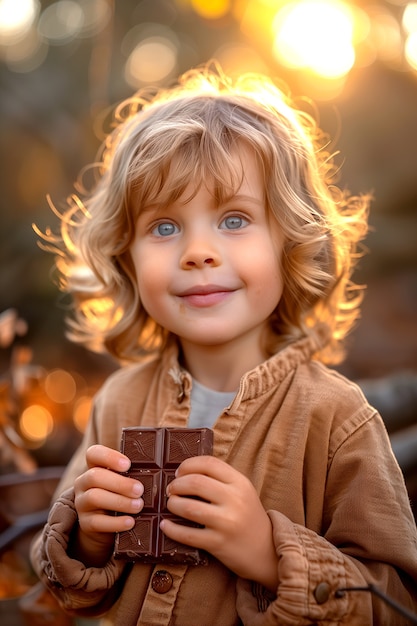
(237, 529)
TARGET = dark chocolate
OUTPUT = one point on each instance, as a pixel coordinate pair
(155, 454)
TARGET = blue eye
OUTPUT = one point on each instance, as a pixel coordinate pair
(234, 222)
(165, 229)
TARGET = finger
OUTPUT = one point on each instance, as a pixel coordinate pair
(107, 480)
(104, 523)
(209, 466)
(198, 486)
(102, 500)
(198, 511)
(190, 536)
(102, 456)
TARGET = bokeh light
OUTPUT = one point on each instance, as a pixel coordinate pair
(26, 54)
(409, 22)
(61, 22)
(81, 412)
(409, 19)
(151, 51)
(212, 10)
(320, 38)
(96, 15)
(411, 50)
(236, 58)
(36, 423)
(315, 35)
(385, 36)
(16, 18)
(151, 61)
(60, 386)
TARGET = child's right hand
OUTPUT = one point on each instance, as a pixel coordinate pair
(99, 492)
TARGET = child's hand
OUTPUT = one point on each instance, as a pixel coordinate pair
(237, 529)
(98, 493)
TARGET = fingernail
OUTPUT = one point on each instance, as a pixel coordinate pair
(137, 489)
(129, 522)
(124, 464)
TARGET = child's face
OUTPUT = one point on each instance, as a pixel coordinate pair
(211, 274)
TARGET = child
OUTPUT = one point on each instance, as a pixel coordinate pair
(215, 254)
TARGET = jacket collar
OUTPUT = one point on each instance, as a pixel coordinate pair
(270, 373)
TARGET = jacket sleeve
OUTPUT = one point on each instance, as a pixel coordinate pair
(79, 589)
(369, 537)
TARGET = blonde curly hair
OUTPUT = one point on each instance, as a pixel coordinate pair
(164, 140)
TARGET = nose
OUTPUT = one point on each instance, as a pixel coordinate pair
(199, 253)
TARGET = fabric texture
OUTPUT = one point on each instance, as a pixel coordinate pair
(320, 459)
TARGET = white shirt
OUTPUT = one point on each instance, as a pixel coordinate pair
(207, 405)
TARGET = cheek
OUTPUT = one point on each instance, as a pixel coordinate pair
(267, 276)
(147, 277)
(148, 286)
(270, 289)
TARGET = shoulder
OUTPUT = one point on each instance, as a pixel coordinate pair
(322, 384)
(342, 404)
(329, 384)
(333, 398)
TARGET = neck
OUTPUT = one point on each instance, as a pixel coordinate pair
(220, 367)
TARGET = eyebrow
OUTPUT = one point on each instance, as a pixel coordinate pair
(156, 207)
(244, 198)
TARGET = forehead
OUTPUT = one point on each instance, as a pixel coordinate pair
(224, 175)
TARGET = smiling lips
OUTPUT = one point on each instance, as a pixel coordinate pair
(205, 295)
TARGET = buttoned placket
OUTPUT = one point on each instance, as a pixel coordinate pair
(162, 592)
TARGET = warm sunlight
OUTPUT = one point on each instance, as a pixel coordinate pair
(316, 35)
(82, 411)
(211, 10)
(16, 17)
(152, 60)
(36, 423)
(60, 386)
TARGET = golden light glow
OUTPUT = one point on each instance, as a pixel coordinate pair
(97, 14)
(82, 412)
(16, 18)
(36, 423)
(212, 10)
(60, 386)
(385, 35)
(410, 17)
(100, 312)
(411, 50)
(26, 54)
(238, 58)
(316, 35)
(61, 21)
(152, 60)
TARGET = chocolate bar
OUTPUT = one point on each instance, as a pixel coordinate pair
(155, 454)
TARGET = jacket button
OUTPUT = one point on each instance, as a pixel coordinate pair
(322, 593)
(161, 581)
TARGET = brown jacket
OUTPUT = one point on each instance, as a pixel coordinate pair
(321, 461)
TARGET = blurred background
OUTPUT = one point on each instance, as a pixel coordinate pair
(65, 64)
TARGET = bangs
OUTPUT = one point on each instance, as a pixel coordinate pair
(181, 172)
(168, 164)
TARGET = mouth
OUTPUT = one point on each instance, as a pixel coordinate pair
(204, 290)
(205, 295)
